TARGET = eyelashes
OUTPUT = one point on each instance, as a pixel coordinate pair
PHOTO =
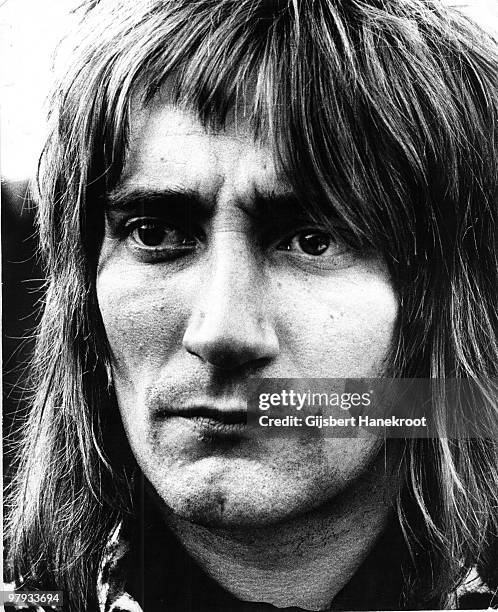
(154, 234)
(315, 249)
(312, 242)
(153, 240)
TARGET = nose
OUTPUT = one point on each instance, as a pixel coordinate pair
(231, 322)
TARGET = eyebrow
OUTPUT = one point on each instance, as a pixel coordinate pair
(263, 206)
(273, 207)
(126, 198)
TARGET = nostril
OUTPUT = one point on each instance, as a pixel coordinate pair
(223, 356)
(229, 344)
(217, 352)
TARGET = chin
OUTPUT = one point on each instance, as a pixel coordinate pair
(235, 501)
(220, 510)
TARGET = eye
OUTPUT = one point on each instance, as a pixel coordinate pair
(155, 239)
(155, 234)
(311, 242)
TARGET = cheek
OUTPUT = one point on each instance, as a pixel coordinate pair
(341, 327)
(337, 326)
(144, 317)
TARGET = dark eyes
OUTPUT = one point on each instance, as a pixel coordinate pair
(154, 240)
(311, 242)
(156, 235)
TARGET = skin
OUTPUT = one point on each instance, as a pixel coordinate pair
(221, 301)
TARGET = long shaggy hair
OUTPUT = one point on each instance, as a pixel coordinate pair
(383, 114)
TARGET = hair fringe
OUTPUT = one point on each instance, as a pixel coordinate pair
(383, 115)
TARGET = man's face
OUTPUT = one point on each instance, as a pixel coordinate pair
(208, 274)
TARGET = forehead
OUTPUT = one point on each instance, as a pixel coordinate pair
(171, 149)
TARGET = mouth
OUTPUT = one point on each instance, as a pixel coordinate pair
(210, 420)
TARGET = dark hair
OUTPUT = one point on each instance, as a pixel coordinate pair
(383, 114)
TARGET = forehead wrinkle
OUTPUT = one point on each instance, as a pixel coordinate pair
(239, 170)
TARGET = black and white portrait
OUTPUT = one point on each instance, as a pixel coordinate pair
(231, 192)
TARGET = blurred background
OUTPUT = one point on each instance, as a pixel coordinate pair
(29, 34)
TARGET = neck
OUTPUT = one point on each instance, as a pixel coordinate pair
(303, 562)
